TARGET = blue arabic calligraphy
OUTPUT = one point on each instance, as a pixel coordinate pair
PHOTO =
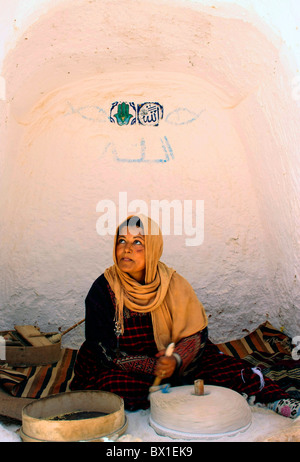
(150, 113)
(166, 147)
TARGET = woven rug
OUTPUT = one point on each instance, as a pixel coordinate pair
(266, 348)
(39, 381)
(265, 339)
(271, 351)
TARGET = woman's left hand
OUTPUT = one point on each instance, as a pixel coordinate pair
(165, 365)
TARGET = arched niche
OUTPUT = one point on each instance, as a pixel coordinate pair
(224, 139)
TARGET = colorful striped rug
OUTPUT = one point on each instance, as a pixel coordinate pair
(39, 381)
(265, 339)
(266, 348)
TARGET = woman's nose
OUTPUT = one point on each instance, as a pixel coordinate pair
(128, 247)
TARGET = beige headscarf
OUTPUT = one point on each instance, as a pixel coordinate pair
(175, 309)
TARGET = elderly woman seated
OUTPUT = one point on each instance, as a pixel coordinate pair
(135, 310)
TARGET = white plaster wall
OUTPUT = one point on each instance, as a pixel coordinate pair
(60, 155)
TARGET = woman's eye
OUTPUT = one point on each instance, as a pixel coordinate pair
(122, 241)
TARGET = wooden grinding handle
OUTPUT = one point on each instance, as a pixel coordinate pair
(169, 352)
(199, 387)
(156, 382)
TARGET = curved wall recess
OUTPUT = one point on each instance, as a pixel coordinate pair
(224, 139)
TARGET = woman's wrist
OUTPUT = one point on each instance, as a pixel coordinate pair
(178, 360)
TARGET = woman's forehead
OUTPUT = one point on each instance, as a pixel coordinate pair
(131, 230)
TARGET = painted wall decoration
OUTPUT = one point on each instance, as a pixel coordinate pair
(150, 113)
(95, 113)
(124, 113)
(165, 155)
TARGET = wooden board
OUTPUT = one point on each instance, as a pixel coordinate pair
(24, 354)
(32, 335)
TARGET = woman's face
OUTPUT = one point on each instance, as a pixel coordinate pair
(130, 252)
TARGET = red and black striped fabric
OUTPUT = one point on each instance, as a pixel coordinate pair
(217, 368)
(214, 367)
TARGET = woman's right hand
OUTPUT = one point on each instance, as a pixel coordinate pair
(165, 365)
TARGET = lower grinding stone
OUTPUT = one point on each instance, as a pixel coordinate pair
(181, 414)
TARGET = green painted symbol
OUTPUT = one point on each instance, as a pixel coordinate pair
(123, 117)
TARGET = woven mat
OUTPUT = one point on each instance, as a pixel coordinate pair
(39, 381)
(266, 348)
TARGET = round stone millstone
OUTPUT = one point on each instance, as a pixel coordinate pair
(181, 413)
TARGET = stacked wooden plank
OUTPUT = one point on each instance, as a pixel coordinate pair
(33, 335)
(26, 345)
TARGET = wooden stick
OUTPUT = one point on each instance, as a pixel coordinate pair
(199, 387)
(57, 337)
(157, 380)
(72, 327)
